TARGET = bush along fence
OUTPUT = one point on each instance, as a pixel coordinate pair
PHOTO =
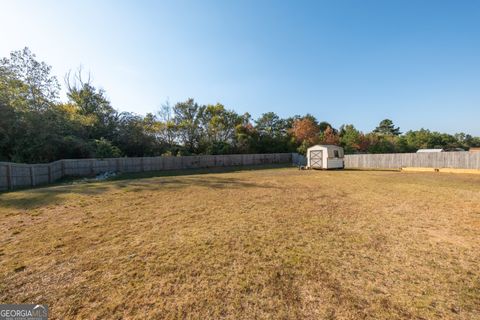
(15, 175)
(456, 160)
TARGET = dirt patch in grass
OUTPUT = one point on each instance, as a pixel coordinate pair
(277, 243)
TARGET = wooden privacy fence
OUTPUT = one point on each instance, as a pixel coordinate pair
(458, 160)
(15, 175)
(299, 160)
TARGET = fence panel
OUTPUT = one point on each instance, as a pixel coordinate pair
(460, 160)
(20, 175)
(4, 179)
(41, 174)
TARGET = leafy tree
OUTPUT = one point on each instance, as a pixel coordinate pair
(27, 104)
(474, 142)
(8, 130)
(365, 142)
(152, 127)
(386, 127)
(135, 135)
(91, 102)
(270, 125)
(329, 136)
(305, 130)
(167, 128)
(323, 126)
(218, 126)
(272, 134)
(349, 138)
(11, 105)
(187, 121)
(303, 148)
(381, 144)
(41, 87)
(246, 135)
(104, 149)
(423, 138)
(35, 127)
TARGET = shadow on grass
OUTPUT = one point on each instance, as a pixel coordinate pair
(131, 182)
(372, 170)
(49, 195)
(189, 172)
(174, 183)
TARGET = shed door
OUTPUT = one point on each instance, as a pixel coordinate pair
(316, 157)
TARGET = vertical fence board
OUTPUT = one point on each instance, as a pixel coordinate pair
(9, 176)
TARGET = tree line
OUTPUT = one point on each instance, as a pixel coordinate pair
(36, 127)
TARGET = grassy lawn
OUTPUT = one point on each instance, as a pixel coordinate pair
(274, 243)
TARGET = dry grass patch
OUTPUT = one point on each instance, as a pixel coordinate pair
(279, 244)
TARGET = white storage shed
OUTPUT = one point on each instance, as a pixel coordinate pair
(325, 157)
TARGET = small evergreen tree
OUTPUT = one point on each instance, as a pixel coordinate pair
(386, 127)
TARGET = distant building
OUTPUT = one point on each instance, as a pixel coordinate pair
(454, 150)
(474, 149)
(429, 150)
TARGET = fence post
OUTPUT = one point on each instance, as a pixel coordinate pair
(49, 173)
(62, 168)
(9, 177)
(32, 175)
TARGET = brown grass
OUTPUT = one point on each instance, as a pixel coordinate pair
(269, 244)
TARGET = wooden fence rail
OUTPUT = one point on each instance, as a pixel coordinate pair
(16, 175)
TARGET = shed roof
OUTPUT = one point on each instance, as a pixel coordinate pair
(430, 150)
(326, 146)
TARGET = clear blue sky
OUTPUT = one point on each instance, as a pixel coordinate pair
(416, 62)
